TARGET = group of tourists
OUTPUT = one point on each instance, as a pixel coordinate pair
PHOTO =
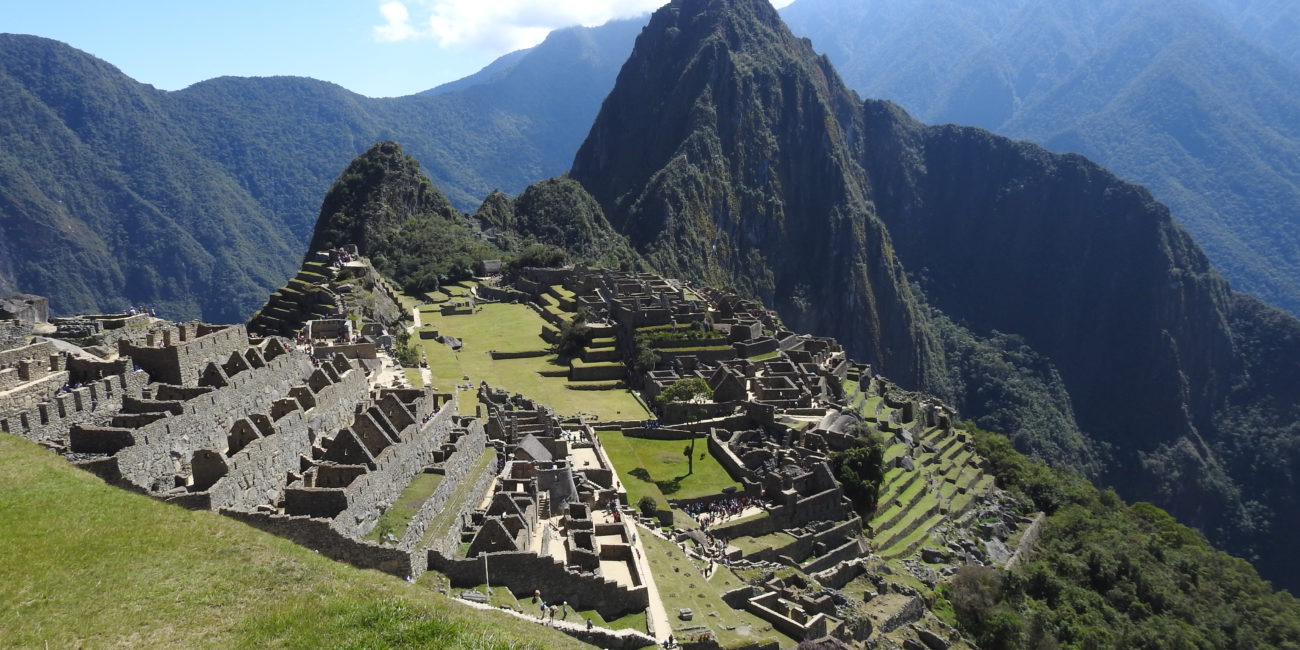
(714, 512)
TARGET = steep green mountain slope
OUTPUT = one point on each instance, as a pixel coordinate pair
(700, 155)
(1197, 99)
(384, 203)
(1074, 291)
(197, 202)
(107, 204)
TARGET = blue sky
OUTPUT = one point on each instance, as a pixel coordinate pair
(378, 48)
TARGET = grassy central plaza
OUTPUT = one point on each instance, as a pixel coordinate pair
(512, 328)
(660, 469)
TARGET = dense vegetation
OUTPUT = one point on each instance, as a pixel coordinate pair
(1104, 574)
(385, 205)
(1037, 292)
(861, 470)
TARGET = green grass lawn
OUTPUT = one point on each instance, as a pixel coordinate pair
(682, 586)
(414, 377)
(83, 564)
(658, 467)
(514, 328)
(395, 519)
(751, 545)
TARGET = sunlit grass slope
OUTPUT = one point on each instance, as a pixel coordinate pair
(84, 564)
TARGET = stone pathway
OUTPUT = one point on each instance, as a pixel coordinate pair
(658, 616)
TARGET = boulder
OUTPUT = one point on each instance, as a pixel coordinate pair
(933, 555)
(931, 640)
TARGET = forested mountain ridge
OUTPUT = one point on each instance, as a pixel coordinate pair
(198, 202)
(730, 152)
(1197, 99)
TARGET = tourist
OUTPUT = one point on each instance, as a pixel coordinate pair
(589, 624)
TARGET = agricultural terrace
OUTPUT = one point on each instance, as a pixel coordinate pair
(512, 328)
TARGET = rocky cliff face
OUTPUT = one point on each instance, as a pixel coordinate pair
(729, 152)
(1091, 271)
(719, 154)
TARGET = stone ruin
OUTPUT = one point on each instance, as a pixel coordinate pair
(296, 437)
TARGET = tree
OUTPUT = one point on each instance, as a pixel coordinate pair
(648, 506)
(646, 357)
(541, 255)
(861, 470)
(574, 335)
(407, 356)
(685, 390)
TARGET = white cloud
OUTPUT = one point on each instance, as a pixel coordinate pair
(501, 26)
(397, 25)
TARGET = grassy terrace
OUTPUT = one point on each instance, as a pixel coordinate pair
(83, 564)
(513, 328)
(681, 585)
(395, 519)
(751, 545)
(446, 519)
(658, 468)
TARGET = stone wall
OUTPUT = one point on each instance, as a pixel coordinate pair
(735, 468)
(161, 449)
(522, 573)
(660, 433)
(490, 292)
(186, 352)
(39, 351)
(14, 333)
(257, 473)
(394, 468)
(318, 535)
(93, 403)
(842, 553)
(598, 372)
(469, 450)
(20, 395)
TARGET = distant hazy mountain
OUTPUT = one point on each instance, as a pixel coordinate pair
(199, 202)
(1198, 100)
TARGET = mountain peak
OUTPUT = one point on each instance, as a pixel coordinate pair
(720, 154)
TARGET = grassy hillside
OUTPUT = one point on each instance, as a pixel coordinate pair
(86, 564)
